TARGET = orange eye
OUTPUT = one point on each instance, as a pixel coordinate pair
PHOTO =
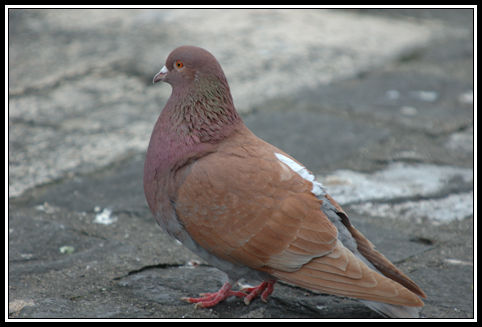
(179, 64)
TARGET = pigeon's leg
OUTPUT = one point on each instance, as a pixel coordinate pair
(211, 299)
(265, 289)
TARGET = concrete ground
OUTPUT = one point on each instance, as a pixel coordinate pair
(377, 103)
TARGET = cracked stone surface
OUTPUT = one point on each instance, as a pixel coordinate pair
(377, 103)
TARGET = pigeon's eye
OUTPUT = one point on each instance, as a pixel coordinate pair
(179, 64)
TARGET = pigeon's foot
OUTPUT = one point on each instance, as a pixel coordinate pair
(265, 289)
(211, 299)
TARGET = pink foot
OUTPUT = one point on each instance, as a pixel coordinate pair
(211, 299)
(265, 289)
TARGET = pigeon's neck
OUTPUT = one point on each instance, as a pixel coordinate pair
(201, 112)
(192, 123)
(204, 111)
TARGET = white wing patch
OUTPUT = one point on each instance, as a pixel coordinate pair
(318, 189)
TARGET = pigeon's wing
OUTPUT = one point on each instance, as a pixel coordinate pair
(244, 205)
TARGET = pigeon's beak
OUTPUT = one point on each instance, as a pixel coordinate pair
(160, 76)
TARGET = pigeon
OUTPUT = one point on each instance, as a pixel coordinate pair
(250, 209)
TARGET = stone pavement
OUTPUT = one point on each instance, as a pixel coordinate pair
(377, 103)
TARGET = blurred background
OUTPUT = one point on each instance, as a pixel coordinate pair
(80, 81)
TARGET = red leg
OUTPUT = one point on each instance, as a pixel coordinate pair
(265, 289)
(211, 299)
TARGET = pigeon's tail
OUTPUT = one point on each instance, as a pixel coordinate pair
(342, 273)
(392, 311)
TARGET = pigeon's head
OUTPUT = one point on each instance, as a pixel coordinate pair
(188, 64)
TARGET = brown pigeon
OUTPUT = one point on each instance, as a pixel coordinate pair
(250, 209)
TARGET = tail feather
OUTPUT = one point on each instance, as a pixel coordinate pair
(356, 279)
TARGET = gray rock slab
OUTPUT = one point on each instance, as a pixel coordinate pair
(132, 269)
